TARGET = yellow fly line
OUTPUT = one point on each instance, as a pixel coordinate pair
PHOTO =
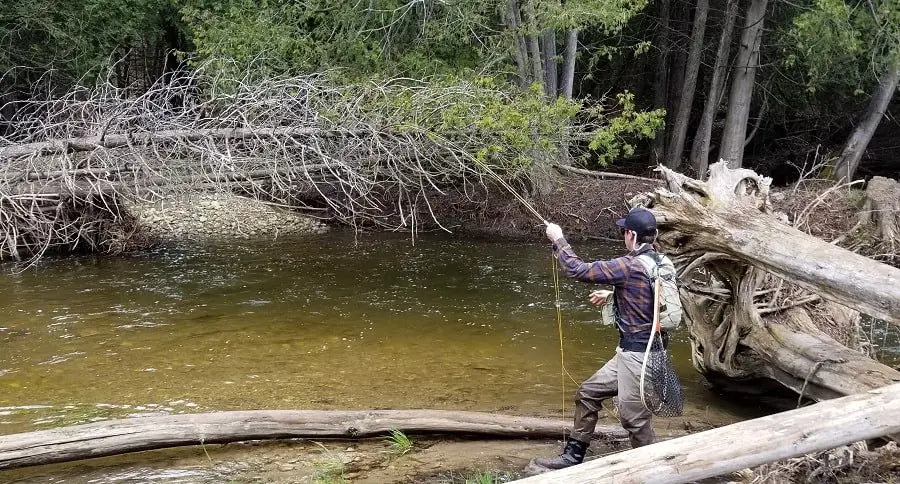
(555, 269)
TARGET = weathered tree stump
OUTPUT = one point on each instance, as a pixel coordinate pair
(882, 209)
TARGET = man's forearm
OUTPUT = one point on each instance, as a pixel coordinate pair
(599, 272)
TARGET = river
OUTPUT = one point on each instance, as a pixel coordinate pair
(317, 322)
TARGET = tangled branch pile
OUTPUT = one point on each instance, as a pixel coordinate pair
(373, 154)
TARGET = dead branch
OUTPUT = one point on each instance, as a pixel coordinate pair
(603, 174)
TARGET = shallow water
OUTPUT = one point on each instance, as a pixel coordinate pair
(318, 322)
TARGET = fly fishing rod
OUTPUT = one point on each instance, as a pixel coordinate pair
(555, 270)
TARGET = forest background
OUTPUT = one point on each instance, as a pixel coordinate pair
(778, 86)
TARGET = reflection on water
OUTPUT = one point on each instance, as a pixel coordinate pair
(312, 322)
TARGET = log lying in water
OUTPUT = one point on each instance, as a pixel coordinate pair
(746, 444)
(146, 433)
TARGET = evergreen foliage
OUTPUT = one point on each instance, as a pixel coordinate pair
(821, 59)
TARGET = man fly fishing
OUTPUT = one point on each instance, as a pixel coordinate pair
(634, 317)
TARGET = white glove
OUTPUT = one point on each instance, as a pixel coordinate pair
(554, 232)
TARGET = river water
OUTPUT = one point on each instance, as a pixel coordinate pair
(317, 322)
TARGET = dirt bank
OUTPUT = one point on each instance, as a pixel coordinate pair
(586, 208)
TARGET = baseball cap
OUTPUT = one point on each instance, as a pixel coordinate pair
(640, 220)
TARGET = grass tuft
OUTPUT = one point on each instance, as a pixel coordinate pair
(330, 468)
(400, 444)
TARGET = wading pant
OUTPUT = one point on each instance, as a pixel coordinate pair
(620, 376)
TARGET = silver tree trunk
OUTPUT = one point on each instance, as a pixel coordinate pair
(743, 78)
(534, 48)
(692, 69)
(661, 83)
(859, 140)
(746, 444)
(568, 76)
(700, 148)
(136, 434)
(548, 60)
(514, 21)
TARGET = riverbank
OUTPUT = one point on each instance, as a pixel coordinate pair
(431, 460)
(586, 208)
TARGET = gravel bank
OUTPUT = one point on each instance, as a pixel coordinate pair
(219, 216)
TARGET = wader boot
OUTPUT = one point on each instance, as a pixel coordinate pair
(572, 455)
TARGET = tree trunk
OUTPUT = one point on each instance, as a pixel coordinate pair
(568, 76)
(515, 25)
(548, 55)
(531, 30)
(683, 112)
(745, 444)
(603, 174)
(882, 209)
(661, 83)
(680, 25)
(742, 81)
(115, 437)
(752, 287)
(856, 145)
(126, 182)
(700, 148)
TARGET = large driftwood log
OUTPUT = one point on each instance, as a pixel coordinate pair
(90, 143)
(136, 434)
(753, 287)
(730, 214)
(118, 182)
(746, 444)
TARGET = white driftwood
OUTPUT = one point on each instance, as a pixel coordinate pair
(746, 444)
(136, 434)
(758, 293)
(723, 221)
(882, 208)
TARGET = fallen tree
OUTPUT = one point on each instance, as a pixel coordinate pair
(745, 444)
(145, 433)
(373, 155)
(757, 291)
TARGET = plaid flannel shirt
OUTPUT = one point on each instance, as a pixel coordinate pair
(633, 295)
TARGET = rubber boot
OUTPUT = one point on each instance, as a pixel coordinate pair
(572, 455)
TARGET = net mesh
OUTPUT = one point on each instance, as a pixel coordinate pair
(661, 391)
